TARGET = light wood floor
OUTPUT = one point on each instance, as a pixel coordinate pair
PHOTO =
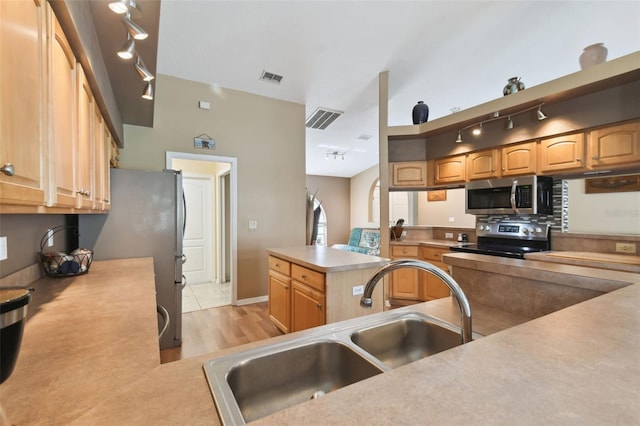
(211, 330)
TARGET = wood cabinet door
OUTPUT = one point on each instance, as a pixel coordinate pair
(62, 114)
(483, 164)
(450, 169)
(518, 159)
(614, 145)
(307, 307)
(405, 284)
(22, 102)
(409, 174)
(280, 300)
(106, 172)
(98, 163)
(84, 147)
(561, 153)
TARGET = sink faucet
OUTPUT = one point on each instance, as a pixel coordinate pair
(456, 291)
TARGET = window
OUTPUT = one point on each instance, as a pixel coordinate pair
(321, 237)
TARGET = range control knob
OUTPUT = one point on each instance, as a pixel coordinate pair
(525, 231)
(539, 230)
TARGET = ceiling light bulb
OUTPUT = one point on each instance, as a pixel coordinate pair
(144, 73)
(128, 49)
(120, 6)
(134, 29)
(477, 131)
(148, 92)
(459, 138)
(540, 114)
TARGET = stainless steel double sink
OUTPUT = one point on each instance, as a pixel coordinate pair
(252, 384)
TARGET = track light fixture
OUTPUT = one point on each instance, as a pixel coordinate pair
(540, 114)
(136, 31)
(145, 74)
(509, 123)
(334, 154)
(123, 6)
(477, 127)
(148, 92)
(127, 51)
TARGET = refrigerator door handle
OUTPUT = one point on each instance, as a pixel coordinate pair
(184, 282)
(184, 259)
(184, 212)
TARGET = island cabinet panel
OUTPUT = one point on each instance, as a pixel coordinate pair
(307, 307)
(614, 145)
(409, 174)
(432, 286)
(519, 159)
(308, 277)
(561, 153)
(22, 102)
(483, 164)
(280, 300)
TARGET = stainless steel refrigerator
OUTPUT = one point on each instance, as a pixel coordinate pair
(147, 218)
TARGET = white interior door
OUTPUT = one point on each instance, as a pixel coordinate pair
(197, 243)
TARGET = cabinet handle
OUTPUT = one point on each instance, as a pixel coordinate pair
(286, 287)
(595, 157)
(319, 305)
(304, 277)
(579, 160)
(7, 169)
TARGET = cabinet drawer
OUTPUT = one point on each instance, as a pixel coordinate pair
(307, 276)
(280, 265)
(404, 251)
(433, 254)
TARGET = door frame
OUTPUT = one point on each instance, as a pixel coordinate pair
(233, 217)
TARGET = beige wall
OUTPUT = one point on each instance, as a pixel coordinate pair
(334, 194)
(360, 190)
(267, 136)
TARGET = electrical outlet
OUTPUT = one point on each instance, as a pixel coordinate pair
(625, 248)
(448, 235)
(50, 238)
(3, 248)
(358, 290)
(253, 224)
(452, 219)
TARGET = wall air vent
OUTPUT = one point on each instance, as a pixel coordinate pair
(270, 77)
(322, 117)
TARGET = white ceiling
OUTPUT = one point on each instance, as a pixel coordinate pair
(446, 53)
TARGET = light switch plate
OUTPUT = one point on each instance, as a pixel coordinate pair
(3, 248)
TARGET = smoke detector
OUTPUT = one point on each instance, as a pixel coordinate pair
(322, 117)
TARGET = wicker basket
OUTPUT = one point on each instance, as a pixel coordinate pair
(58, 264)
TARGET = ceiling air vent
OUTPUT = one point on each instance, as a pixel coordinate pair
(270, 77)
(322, 117)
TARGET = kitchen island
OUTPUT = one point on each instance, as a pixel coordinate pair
(316, 285)
(578, 365)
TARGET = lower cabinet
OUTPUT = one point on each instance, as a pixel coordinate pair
(307, 307)
(280, 300)
(414, 284)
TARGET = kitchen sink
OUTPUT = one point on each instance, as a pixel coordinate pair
(252, 384)
(261, 384)
(406, 340)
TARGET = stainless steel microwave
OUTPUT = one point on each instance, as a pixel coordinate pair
(517, 195)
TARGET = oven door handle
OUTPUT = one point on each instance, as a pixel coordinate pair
(514, 206)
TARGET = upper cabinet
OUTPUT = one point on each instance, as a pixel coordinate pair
(409, 174)
(23, 126)
(614, 145)
(449, 170)
(518, 159)
(561, 153)
(483, 164)
(52, 131)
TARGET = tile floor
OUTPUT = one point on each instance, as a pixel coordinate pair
(205, 295)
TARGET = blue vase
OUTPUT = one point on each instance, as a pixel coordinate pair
(420, 113)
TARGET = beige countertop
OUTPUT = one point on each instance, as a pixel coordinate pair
(428, 243)
(327, 259)
(89, 357)
(617, 262)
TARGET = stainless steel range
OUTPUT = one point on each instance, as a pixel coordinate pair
(509, 239)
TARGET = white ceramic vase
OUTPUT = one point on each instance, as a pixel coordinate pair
(593, 55)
